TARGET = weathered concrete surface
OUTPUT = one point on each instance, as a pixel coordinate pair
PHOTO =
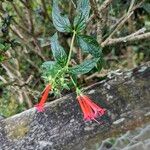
(138, 139)
(126, 96)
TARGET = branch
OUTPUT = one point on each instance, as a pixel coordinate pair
(16, 32)
(16, 76)
(105, 4)
(129, 38)
(118, 27)
(3, 79)
(122, 20)
(101, 16)
(37, 51)
(19, 14)
(95, 9)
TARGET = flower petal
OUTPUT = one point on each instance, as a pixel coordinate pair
(89, 108)
(40, 105)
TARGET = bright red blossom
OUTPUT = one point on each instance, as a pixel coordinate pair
(40, 105)
(89, 108)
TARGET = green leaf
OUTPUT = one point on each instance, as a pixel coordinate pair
(61, 22)
(48, 65)
(89, 45)
(100, 64)
(84, 67)
(50, 68)
(58, 51)
(146, 7)
(7, 46)
(2, 58)
(2, 47)
(83, 10)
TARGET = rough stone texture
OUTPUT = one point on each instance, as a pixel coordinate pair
(138, 139)
(125, 95)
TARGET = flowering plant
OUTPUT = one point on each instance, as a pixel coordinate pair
(59, 74)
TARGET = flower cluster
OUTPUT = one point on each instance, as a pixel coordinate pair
(89, 108)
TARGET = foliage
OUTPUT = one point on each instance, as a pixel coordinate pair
(59, 71)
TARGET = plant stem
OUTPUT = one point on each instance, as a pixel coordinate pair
(67, 64)
(78, 91)
(68, 60)
(71, 48)
(73, 81)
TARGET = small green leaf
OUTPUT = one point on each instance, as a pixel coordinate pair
(2, 58)
(2, 47)
(50, 68)
(146, 7)
(82, 16)
(48, 65)
(84, 67)
(89, 45)
(61, 22)
(7, 46)
(58, 52)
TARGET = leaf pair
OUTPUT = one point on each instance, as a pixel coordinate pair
(62, 23)
(86, 43)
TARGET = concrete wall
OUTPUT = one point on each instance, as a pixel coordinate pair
(125, 95)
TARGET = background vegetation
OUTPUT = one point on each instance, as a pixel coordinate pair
(122, 28)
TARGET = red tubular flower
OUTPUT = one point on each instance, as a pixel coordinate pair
(89, 108)
(40, 105)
